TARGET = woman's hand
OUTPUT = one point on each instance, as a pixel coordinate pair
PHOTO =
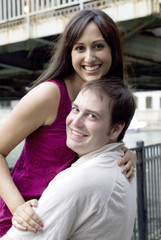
(25, 218)
(129, 162)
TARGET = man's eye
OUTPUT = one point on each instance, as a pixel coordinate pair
(92, 116)
(75, 109)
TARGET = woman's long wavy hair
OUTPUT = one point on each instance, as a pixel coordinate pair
(60, 65)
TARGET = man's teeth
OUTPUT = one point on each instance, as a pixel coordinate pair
(77, 133)
(91, 68)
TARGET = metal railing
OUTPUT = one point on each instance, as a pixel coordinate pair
(11, 10)
(148, 221)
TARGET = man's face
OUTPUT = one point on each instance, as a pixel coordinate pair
(89, 123)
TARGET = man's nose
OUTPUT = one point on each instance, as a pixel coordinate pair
(78, 121)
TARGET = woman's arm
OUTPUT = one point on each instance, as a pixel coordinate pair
(25, 218)
(38, 107)
(129, 162)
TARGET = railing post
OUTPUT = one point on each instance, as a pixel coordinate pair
(141, 192)
(27, 9)
(81, 5)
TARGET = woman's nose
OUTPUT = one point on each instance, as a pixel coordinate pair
(89, 56)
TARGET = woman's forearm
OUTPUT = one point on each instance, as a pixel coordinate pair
(8, 190)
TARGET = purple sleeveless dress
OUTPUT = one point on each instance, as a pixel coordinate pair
(44, 155)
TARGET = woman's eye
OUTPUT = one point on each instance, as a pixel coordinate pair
(79, 48)
(99, 46)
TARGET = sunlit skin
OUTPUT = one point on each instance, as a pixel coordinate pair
(91, 55)
(89, 123)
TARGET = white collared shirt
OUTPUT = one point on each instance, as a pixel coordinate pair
(91, 200)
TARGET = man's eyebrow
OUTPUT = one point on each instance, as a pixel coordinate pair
(74, 104)
(99, 114)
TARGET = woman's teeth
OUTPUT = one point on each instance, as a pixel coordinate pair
(92, 68)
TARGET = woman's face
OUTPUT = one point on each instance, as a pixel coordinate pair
(91, 55)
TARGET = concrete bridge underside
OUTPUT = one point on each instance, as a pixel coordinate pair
(26, 53)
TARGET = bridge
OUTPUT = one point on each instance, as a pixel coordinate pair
(29, 28)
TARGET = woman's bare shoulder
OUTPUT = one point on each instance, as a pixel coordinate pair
(46, 97)
(46, 90)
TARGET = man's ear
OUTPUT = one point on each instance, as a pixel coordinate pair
(116, 130)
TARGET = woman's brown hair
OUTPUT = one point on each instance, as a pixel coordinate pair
(60, 65)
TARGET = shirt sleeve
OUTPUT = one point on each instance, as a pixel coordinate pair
(57, 208)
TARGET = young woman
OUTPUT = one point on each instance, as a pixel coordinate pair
(88, 49)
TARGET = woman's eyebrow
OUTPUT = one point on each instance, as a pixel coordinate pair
(97, 40)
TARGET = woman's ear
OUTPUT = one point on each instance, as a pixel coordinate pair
(116, 131)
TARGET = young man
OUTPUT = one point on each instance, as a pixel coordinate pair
(91, 199)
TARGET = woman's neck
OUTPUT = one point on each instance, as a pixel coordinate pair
(73, 85)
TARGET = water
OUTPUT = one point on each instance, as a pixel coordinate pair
(130, 139)
(151, 137)
(14, 154)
